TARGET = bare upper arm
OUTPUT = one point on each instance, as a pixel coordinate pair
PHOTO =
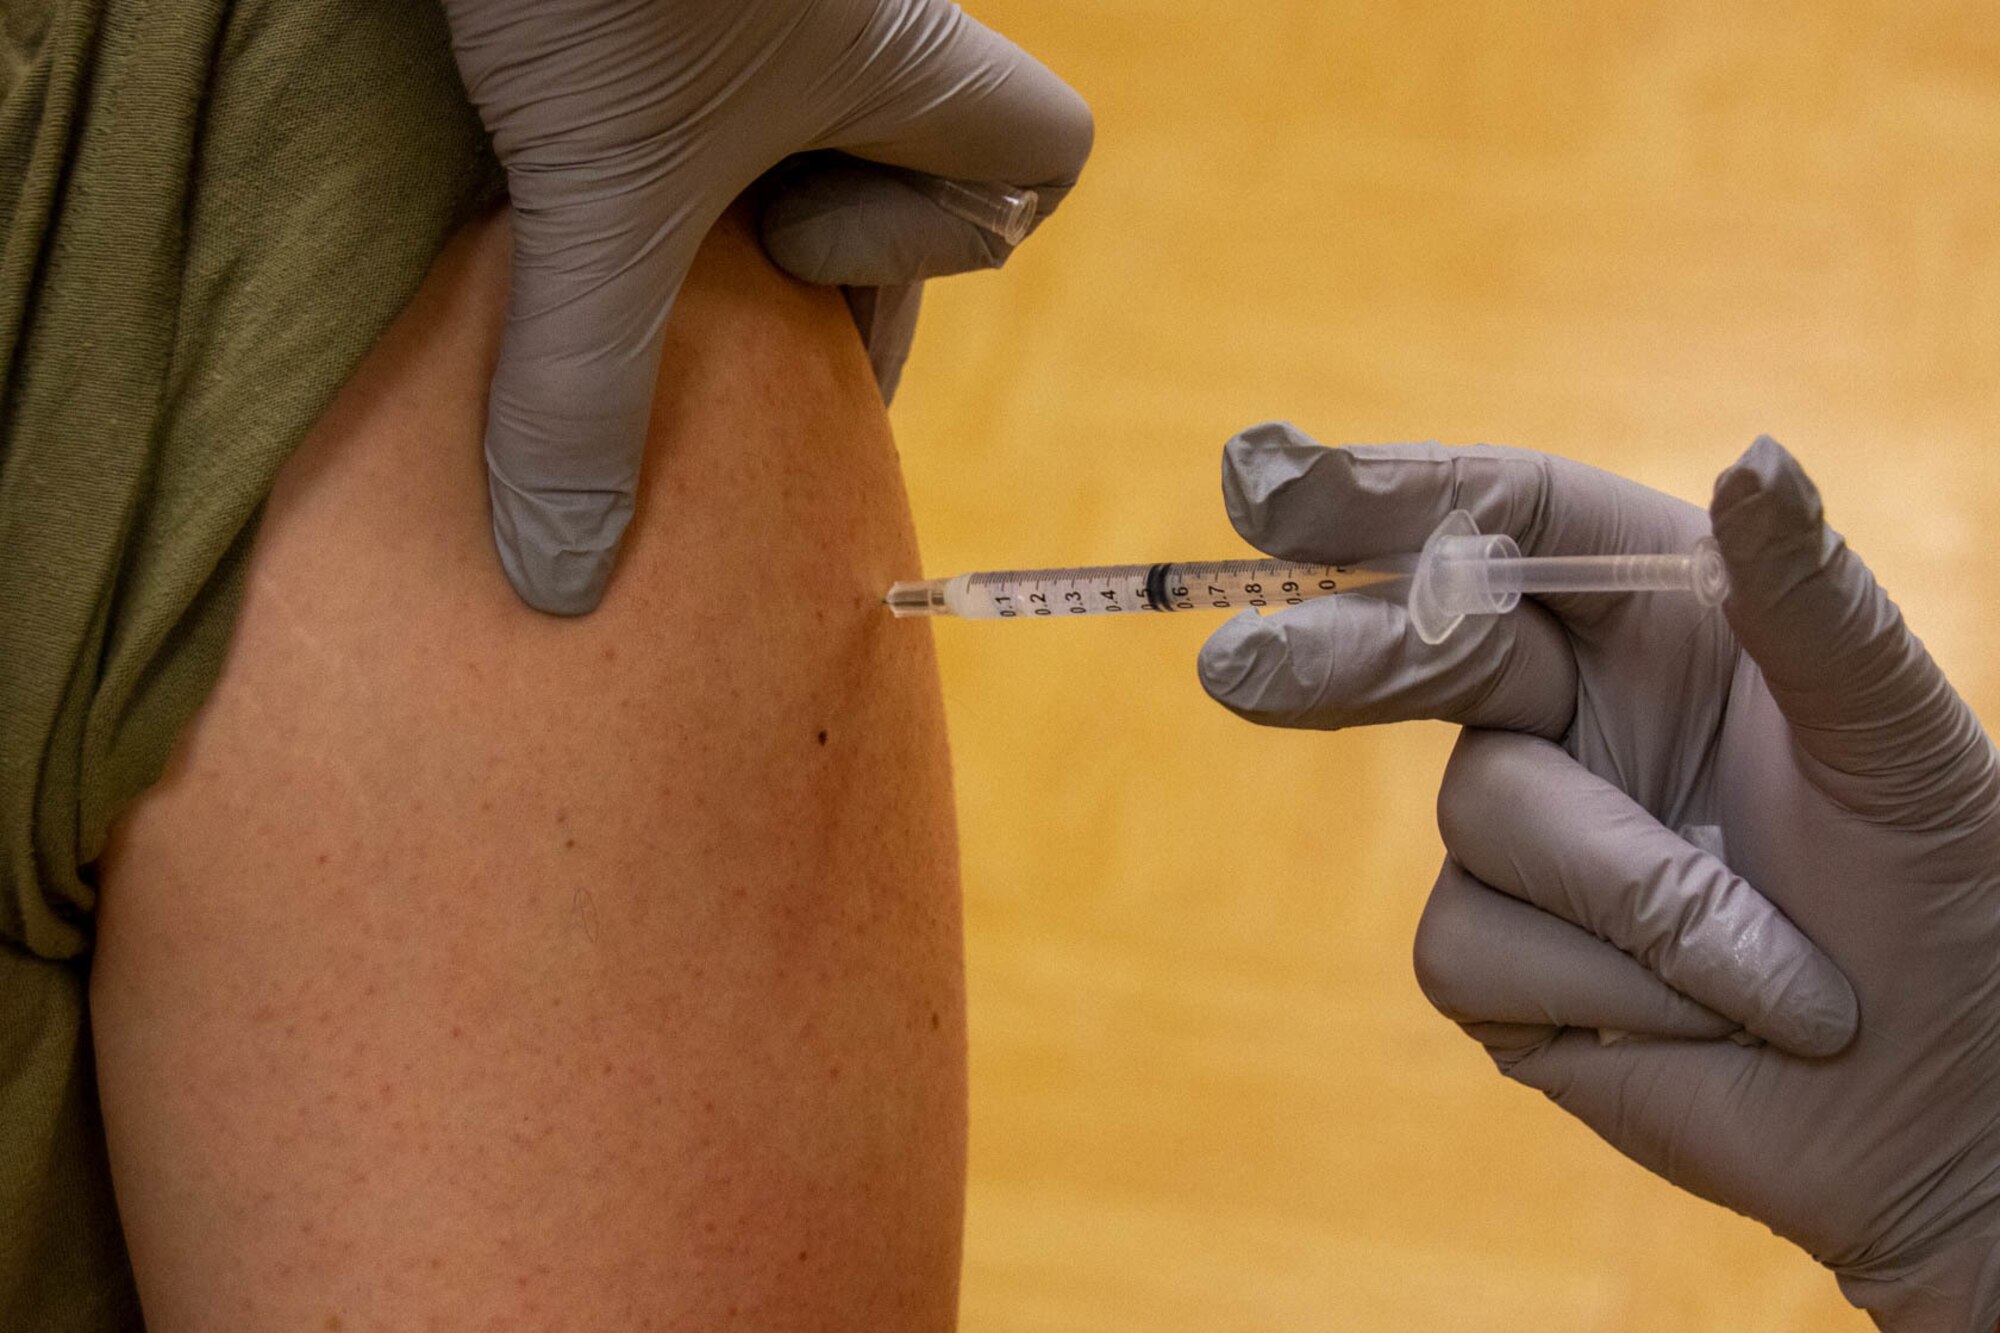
(473, 968)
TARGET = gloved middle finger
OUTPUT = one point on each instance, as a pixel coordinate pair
(1354, 661)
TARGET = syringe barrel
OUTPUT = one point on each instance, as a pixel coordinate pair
(1106, 590)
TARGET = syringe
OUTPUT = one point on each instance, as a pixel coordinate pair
(1460, 572)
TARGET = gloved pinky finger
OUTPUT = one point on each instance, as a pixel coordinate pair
(1489, 960)
(1510, 1043)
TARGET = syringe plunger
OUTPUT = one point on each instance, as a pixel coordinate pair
(1464, 572)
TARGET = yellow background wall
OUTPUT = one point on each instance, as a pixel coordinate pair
(1206, 1091)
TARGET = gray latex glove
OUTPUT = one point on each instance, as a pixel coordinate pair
(626, 126)
(1653, 817)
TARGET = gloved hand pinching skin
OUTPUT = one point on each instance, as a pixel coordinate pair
(1677, 825)
(626, 126)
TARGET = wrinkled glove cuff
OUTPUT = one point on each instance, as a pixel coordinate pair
(1956, 1290)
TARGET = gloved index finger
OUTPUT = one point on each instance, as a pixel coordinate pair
(1298, 500)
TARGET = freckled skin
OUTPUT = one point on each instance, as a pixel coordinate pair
(473, 968)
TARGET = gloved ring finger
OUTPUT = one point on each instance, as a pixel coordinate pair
(1483, 957)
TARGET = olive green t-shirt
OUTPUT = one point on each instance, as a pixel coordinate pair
(211, 209)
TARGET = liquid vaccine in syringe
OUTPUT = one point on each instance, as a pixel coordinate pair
(1098, 590)
(1460, 572)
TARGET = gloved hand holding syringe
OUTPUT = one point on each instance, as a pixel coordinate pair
(1693, 825)
(1460, 572)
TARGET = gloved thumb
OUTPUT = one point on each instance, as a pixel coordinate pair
(1864, 699)
(572, 393)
